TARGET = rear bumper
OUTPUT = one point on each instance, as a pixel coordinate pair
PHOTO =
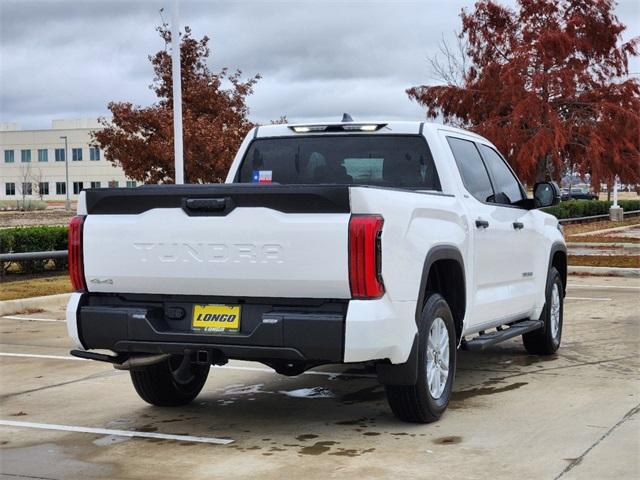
(310, 331)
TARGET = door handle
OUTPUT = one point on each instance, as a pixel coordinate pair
(482, 224)
(518, 225)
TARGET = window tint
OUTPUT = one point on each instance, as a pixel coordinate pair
(76, 154)
(25, 156)
(59, 154)
(94, 153)
(504, 180)
(43, 188)
(387, 160)
(10, 189)
(8, 156)
(43, 155)
(472, 169)
(61, 188)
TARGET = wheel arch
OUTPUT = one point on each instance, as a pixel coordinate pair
(443, 272)
(558, 259)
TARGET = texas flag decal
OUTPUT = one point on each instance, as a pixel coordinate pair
(261, 176)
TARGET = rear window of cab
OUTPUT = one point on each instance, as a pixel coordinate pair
(400, 161)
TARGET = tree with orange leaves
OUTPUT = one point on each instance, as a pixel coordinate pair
(549, 84)
(140, 139)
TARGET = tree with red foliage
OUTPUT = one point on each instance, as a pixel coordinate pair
(140, 139)
(548, 84)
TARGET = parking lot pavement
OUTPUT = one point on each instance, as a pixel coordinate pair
(570, 416)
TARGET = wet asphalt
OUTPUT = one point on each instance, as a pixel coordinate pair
(512, 415)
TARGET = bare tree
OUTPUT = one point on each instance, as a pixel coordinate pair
(451, 63)
(25, 187)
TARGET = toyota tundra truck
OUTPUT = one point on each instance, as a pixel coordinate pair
(391, 243)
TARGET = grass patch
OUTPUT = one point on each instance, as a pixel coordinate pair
(576, 228)
(624, 261)
(35, 287)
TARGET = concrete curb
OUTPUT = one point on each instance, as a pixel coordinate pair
(604, 271)
(10, 307)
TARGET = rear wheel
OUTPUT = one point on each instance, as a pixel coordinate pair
(546, 340)
(427, 399)
(172, 382)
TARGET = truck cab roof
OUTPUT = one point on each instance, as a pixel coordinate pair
(355, 127)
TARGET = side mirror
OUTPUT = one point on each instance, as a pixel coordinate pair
(546, 194)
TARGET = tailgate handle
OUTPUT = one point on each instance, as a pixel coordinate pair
(206, 204)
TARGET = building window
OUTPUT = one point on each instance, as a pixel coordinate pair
(27, 189)
(43, 155)
(94, 154)
(8, 156)
(10, 189)
(113, 184)
(76, 154)
(25, 156)
(77, 187)
(61, 188)
(43, 188)
(95, 184)
(59, 154)
(131, 184)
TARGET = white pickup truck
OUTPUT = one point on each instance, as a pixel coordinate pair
(392, 243)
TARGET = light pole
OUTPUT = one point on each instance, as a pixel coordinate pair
(67, 203)
(177, 93)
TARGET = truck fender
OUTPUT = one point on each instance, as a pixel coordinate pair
(407, 373)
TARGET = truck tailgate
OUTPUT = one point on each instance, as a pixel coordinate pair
(223, 240)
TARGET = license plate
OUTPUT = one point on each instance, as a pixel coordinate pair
(216, 318)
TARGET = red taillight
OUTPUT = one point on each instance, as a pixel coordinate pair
(76, 270)
(364, 256)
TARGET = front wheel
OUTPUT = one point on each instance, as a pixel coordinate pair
(546, 340)
(170, 383)
(427, 399)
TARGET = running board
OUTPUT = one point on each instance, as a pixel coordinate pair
(485, 340)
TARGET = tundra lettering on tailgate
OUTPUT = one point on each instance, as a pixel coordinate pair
(210, 252)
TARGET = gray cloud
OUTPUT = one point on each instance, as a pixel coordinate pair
(317, 58)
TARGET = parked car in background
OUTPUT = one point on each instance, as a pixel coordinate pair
(578, 193)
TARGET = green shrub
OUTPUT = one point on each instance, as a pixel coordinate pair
(587, 208)
(35, 239)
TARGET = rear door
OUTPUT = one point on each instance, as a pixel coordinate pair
(225, 240)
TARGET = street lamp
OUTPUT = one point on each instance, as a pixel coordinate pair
(67, 203)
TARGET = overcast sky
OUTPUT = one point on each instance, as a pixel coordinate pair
(67, 59)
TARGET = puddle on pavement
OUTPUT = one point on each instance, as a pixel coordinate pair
(368, 394)
(462, 395)
(449, 440)
(317, 448)
(306, 436)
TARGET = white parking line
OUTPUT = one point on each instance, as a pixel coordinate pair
(31, 319)
(596, 299)
(621, 287)
(229, 367)
(34, 355)
(120, 433)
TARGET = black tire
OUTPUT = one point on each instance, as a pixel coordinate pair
(546, 340)
(158, 385)
(415, 403)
